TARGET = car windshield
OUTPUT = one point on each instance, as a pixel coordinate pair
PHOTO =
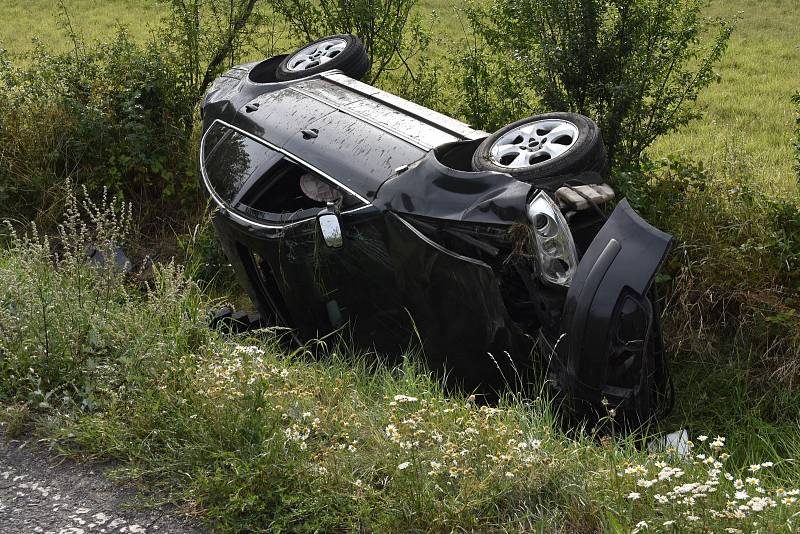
(232, 161)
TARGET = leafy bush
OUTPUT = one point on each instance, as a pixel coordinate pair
(114, 114)
(492, 95)
(391, 32)
(632, 65)
(207, 36)
(118, 114)
(725, 225)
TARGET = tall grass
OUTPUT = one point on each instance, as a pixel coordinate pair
(258, 439)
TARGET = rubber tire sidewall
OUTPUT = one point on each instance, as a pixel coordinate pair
(587, 154)
(353, 60)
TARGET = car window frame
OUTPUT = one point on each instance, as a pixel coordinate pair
(242, 216)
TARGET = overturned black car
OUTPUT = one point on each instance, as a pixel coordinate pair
(340, 204)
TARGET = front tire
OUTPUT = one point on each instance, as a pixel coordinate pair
(543, 146)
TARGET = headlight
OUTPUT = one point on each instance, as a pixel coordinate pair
(555, 248)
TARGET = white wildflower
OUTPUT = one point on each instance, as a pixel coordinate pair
(718, 443)
(686, 488)
(636, 470)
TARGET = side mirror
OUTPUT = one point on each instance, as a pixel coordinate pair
(330, 227)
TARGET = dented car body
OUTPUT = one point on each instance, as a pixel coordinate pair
(341, 205)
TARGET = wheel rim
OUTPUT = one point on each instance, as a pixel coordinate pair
(534, 143)
(316, 54)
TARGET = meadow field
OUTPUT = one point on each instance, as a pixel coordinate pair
(748, 116)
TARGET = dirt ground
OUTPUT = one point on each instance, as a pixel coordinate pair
(40, 493)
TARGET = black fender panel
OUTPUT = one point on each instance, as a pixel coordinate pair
(457, 310)
(608, 315)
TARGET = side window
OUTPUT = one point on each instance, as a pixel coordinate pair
(262, 183)
(291, 188)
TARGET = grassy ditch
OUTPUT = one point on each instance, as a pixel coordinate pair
(258, 440)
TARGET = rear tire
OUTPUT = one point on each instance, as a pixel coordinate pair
(543, 146)
(343, 52)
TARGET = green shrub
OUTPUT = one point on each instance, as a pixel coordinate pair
(491, 88)
(118, 114)
(632, 65)
(113, 114)
(735, 270)
(208, 36)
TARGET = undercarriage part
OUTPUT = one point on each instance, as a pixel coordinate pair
(236, 322)
(583, 197)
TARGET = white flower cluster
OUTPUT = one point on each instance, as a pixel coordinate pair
(298, 435)
(684, 501)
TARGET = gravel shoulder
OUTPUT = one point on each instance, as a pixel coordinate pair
(43, 494)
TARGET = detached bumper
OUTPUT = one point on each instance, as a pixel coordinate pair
(610, 355)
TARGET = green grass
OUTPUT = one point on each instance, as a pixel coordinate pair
(93, 19)
(748, 116)
(258, 440)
